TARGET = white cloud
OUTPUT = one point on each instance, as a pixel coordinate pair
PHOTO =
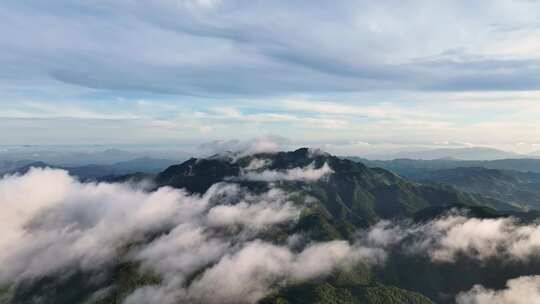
(262, 144)
(384, 234)
(522, 290)
(270, 209)
(52, 223)
(371, 63)
(308, 173)
(446, 238)
(256, 164)
(249, 274)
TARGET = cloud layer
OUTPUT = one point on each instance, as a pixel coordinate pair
(204, 248)
(237, 47)
(522, 290)
(208, 248)
(306, 174)
(448, 237)
(232, 68)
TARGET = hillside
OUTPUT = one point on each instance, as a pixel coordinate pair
(332, 201)
(353, 193)
(515, 186)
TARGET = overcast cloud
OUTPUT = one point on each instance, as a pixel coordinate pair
(391, 74)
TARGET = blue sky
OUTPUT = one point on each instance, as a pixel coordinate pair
(350, 76)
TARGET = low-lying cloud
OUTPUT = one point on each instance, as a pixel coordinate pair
(271, 208)
(250, 273)
(522, 290)
(448, 237)
(307, 174)
(205, 248)
(208, 248)
(50, 221)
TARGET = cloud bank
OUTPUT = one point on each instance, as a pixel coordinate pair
(51, 221)
(306, 174)
(248, 275)
(448, 237)
(522, 290)
(240, 48)
(270, 209)
(205, 248)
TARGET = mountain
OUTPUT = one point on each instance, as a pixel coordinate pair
(144, 164)
(519, 188)
(472, 153)
(353, 194)
(339, 198)
(495, 179)
(410, 167)
(11, 165)
(25, 168)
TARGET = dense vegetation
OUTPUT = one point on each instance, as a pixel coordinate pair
(515, 181)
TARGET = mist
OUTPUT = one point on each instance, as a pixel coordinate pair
(454, 234)
(54, 223)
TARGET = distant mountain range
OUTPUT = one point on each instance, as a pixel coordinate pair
(73, 158)
(472, 153)
(516, 181)
(93, 171)
(515, 187)
(408, 167)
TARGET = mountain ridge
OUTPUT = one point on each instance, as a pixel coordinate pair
(353, 190)
(467, 153)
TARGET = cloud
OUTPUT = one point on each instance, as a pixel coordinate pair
(175, 256)
(446, 238)
(257, 163)
(237, 48)
(239, 148)
(254, 270)
(270, 209)
(385, 233)
(522, 290)
(207, 248)
(203, 247)
(251, 68)
(246, 272)
(51, 221)
(249, 274)
(308, 174)
(485, 238)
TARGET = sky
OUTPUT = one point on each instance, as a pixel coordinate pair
(350, 76)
